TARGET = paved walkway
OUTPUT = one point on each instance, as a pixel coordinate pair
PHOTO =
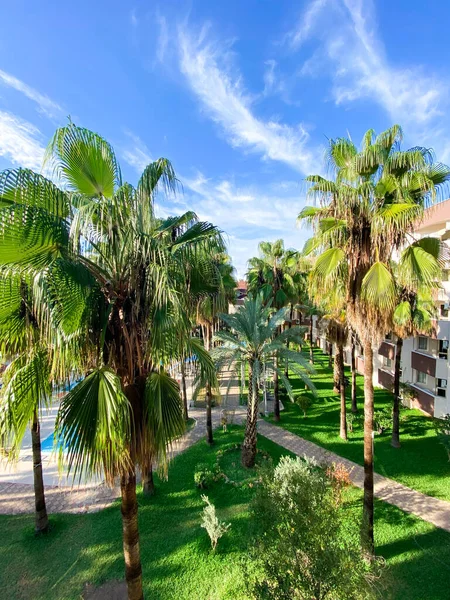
(18, 498)
(429, 509)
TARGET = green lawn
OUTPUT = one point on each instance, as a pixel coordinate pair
(177, 562)
(421, 463)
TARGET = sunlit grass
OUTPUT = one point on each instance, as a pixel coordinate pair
(176, 557)
(421, 462)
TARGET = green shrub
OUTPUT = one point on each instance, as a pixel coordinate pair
(203, 476)
(214, 528)
(304, 401)
(382, 419)
(353, 421)
(305, 544)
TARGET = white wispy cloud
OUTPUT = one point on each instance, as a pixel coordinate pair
(221, 92)
(45, 104)
(163, 37)
(248, 214)
(20, 142)
(136, 153)
(297, 36)
(358, 65)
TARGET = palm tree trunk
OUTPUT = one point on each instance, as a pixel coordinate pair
(249, 445)
(276, 391)
(242, 377)
(148, 485)
(395, 442)
(183, 390)
(353, 367)
(291, 314)
(367, 533)
(311, 353)
(336, 372)
(343, 419)
(330, 356)
(208, 398)
(131, 551)
(41, 516)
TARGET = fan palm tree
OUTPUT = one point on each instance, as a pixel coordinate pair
(112, 275)
(365, 214)
(254, 337)
(26, 387)
(414, 315)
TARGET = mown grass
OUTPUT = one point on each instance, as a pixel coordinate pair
(421, 463)
(176, 557)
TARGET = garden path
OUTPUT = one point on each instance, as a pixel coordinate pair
(429, 509)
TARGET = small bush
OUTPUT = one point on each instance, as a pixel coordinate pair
(214, 528)
(304, 401)
(353, 421)
(203, 476)
(305, 543)
(382, 420)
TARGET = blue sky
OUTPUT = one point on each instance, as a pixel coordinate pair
(240, 95)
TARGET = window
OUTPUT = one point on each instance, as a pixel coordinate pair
(444, 310)
(422, 343)
(441, 387)
(443, 349)
(421, 377)
(387, 362)
(388, 336)
(445, 275)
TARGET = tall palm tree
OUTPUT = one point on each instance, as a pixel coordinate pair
(112, 275)
(221, 289)
(254, 337)
(414, 315)
(364, 215)
(271, 273)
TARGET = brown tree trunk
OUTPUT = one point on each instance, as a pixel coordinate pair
(395, 442)
(353, 367)
(41, 517)
(343, 419)
(148, 485)
(367, 533)
(330, 356)
(336, 372)
(276, 391)
(208, 398)
(291, 314)
(131, 551)
(311, 353)
(249, 445)
(183, 390)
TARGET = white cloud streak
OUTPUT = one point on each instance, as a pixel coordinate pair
(45, 104)
(225, 100)
(358, 64)
(19, 142)
(247, 214)
(136, 155)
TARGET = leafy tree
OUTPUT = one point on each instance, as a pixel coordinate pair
(365, 215)
(112, 276)
(255, 338)
(306, 544)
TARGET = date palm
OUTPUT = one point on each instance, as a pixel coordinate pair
(363, 216)
(255, 338)
(111, 278)
(272, 273)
